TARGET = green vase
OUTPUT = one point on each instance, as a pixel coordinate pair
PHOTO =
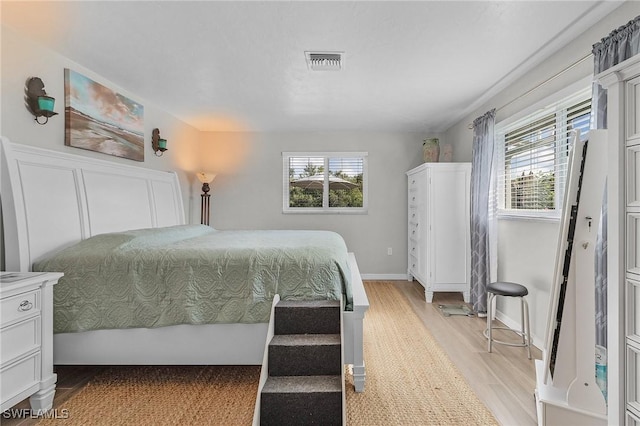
(431, 150)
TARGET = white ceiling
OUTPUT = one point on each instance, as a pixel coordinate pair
(228, 66)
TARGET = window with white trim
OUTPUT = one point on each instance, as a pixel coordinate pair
(532, 157)
(324, 182)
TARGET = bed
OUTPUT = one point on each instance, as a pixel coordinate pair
(54, 203)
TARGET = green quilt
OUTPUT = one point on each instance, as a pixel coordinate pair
(192, 274)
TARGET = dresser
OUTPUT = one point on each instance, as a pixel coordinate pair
(439, 242)
(26, 339)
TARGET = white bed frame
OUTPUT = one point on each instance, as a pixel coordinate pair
(53, 199)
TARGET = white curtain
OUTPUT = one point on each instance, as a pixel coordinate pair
(620, 45)
(482, 209)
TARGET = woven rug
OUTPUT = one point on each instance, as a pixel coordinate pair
(410, 381)
(171, 395)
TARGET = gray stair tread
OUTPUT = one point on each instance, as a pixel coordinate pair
(308, 304)
(305, 339)
(303, 384)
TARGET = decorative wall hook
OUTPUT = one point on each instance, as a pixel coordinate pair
(37, 101)
(158, 144)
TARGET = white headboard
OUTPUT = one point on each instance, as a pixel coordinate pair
(52, 199)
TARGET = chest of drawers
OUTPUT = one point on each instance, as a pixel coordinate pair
(439, 247)
(26, 339)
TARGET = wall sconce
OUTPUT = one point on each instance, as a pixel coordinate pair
(158, 144)
(37, 101)
(206, 179)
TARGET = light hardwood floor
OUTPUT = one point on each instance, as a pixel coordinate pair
(504, 379)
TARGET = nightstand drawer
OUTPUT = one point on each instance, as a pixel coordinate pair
(20, 306)
(20, 338)
(20, 376)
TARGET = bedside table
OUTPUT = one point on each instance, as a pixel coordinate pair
(26, 339)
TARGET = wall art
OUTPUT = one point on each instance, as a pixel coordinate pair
(100, 119)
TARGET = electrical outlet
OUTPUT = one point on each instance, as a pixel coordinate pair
(389, 251)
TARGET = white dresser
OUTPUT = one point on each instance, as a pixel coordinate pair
(439, 246)
(26, 339)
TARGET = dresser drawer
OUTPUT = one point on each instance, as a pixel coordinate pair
(20, 376)
(413, 263)
(20, 306)
(20, 338)
(413, 249)
(413, 182)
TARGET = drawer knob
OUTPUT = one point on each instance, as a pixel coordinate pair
(25, 306)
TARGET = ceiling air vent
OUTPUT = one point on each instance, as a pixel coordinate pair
(324, 61)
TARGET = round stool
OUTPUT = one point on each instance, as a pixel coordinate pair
(508, 289)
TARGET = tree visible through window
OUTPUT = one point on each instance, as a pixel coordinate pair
(322, 182)
(534, 155)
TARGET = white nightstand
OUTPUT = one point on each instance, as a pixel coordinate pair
(26, 339)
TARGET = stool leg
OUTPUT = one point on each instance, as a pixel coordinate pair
(490, 297)
(522, 324)
(528, 327)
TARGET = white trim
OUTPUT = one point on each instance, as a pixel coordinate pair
(385, 277)
(582, 85)
(326, 155)
(529, 215)
(555, 104)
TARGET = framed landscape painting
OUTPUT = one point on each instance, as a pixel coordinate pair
(100, 119)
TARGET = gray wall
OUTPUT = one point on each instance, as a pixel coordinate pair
(22, 58)
(247, 193)
(526, 248)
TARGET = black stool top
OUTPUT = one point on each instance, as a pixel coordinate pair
(505, 288)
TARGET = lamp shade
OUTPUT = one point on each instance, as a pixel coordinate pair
(46, 103)
(206, 177)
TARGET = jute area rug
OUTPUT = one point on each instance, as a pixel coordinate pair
(410, 381)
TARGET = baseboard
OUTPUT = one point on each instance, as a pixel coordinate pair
(384, 277)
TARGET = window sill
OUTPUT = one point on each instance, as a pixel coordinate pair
(530, 217)
(322, 211)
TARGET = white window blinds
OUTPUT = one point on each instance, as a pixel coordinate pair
(323, 182)
(533, 154)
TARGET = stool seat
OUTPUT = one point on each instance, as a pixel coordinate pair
(506, 288)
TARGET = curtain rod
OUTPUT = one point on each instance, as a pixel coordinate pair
(539, 85)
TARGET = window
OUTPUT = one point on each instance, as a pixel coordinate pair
(334, 182)
(533, 157)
